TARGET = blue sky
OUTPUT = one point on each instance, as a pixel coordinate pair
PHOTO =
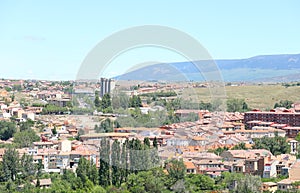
(50, 39)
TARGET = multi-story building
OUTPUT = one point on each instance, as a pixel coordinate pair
(106, 86)
(289, 117)
(210, 167)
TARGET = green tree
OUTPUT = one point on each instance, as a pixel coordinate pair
(8, 89)
(124, 162)
(155, 160)
(80, 132)
(10, 164)
(39, 168)
(155, 143)
(284, 103)
(297, 138)
(26, 125)
(276, 145)
(7, 129)
(239, 146)
(82, 170)
(135, 101)
(247, 184)
(152, 181)
(176, 169)
(115, 162)
(98, 189)
(25, 138)
(199, 182)
(93, 173)
(87, 172)
(219, 150)
(147, 154)
(120, 100)
(104, 170)
(106, 103)
(13, 97)
(106, 126)
(17, 87)
(97, 101)
(237, 105)
(147, 142)
(54, 131)
(27, 168)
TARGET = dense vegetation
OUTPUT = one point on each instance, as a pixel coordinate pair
(160, 94)
(276, 145)
(117, 175)
(7, 129)
(22, 133)
(105, 126)
(237, 105)
(104, 104)
(284, 103)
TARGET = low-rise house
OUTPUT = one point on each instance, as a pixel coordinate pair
(269, 186)
(61, 102)
(294, 176)
(285, 185)
(63, 160)
(251, 165)
(232, 155)
(99, 136)
(294, 173)
(28, 115)
(247, 161)
(210, 167)
(197, 141)
(49, 159)
(270, 169)
(178, 141)
(3, 93)
(199, 155)
(75, 155)
(37, 159)
(32, 151)
(285, 161)
(73, 131)
(270, 132)
(238, 166)
(190, 167)
(43, 145)
(44, 183)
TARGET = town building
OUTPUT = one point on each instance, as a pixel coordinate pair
(289, 117)
(106, 86)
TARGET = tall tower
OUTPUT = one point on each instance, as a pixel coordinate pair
(107, 85)
(102, 87)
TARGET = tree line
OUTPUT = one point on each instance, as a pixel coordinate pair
(118, 160)
(22, 133)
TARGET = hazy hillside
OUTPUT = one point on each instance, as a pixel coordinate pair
(274, 68)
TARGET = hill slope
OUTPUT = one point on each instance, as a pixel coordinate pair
(274, 68)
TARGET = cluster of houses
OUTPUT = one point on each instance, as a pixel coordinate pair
(14, 109)
(191, 141)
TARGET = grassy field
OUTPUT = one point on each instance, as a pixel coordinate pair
(256, 96)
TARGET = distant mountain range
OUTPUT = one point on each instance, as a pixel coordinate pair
(264, 68)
